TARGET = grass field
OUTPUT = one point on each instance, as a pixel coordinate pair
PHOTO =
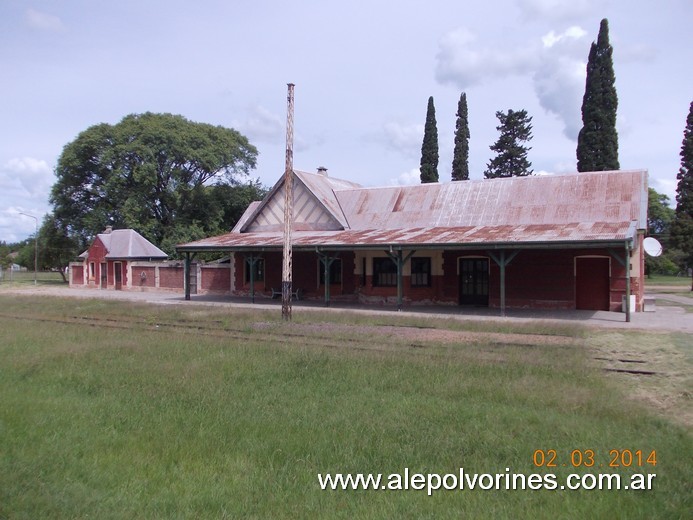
(118, 410)
(666, 280)
(19, 278)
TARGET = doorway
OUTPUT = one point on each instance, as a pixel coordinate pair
(474, 281)
(118, 275)
(104, 275)
(592, 281)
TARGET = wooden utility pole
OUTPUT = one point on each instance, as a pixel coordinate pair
(288, 204)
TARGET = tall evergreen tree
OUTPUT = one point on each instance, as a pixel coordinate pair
(682, 227)
(429, 148)
(511, 154)
(460, 159)
(597, 148)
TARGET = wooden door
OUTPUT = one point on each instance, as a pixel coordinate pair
(118, 275)
(592, 283)
(474, 281)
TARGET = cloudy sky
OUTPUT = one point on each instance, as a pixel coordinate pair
(363, 72)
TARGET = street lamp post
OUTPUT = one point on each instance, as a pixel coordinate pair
(35, 244)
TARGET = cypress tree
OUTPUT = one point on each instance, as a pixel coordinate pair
(460, 160)
(682, 227)
(511, 155)
(597, 148)
(429, 148)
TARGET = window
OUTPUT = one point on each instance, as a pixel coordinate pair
(384, 272)
(421, 272)
(335, 272)
(259, 270)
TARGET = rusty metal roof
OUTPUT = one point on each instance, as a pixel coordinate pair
(600, 207)
(123, 244)
(540, 200)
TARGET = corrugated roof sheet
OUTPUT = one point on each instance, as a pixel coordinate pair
(128, 243)
(584, 207)
(547, 200)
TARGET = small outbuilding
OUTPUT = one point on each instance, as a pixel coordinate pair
(108, 263)
(569, 241)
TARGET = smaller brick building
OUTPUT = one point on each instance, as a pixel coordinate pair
(115, 261)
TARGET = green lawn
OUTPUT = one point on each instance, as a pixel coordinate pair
(663, 279)
(118, 410)
(9, 278)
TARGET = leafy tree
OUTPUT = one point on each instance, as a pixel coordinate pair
(5, 250)
(429, 148)
(659, 215)
(58, 248)
(25, 251)
(460, 160)
(511, 154)
(682, 227)
(155, 173)
(597, 148)
(659, 218)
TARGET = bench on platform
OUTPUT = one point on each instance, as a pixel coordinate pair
(295, 295)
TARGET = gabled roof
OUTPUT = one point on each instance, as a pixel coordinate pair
(315, 205)
(599, 208)
(124, 244)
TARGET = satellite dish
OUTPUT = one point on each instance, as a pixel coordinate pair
(652, 246)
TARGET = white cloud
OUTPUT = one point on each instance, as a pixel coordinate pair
(554, 63)
(574, 32)
(559, 10)
(459, 61)
(404, 138)
(44, 21)
(559, 80)
(34, 176)
(261, 125)
(407, 178)
(25, 185)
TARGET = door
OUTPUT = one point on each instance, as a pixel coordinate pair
(104, 275)
(118, 275)
(592, 284)
(474, 281)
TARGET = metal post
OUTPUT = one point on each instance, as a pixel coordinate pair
(35, 245)
(399, 261)
(327, 262)
(502, 282)
(252, 261)
(627, 282)
(186, 275)
(502, 262)
(288, 205)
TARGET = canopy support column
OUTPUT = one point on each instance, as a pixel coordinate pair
(625, 262)
(503, 260)
(399, 260)
(326, 261)
(251, 260)
(186, 272)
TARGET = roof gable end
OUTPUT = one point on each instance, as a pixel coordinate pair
(316, 207)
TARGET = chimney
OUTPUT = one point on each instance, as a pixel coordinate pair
(322, 171)
(108, 230)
